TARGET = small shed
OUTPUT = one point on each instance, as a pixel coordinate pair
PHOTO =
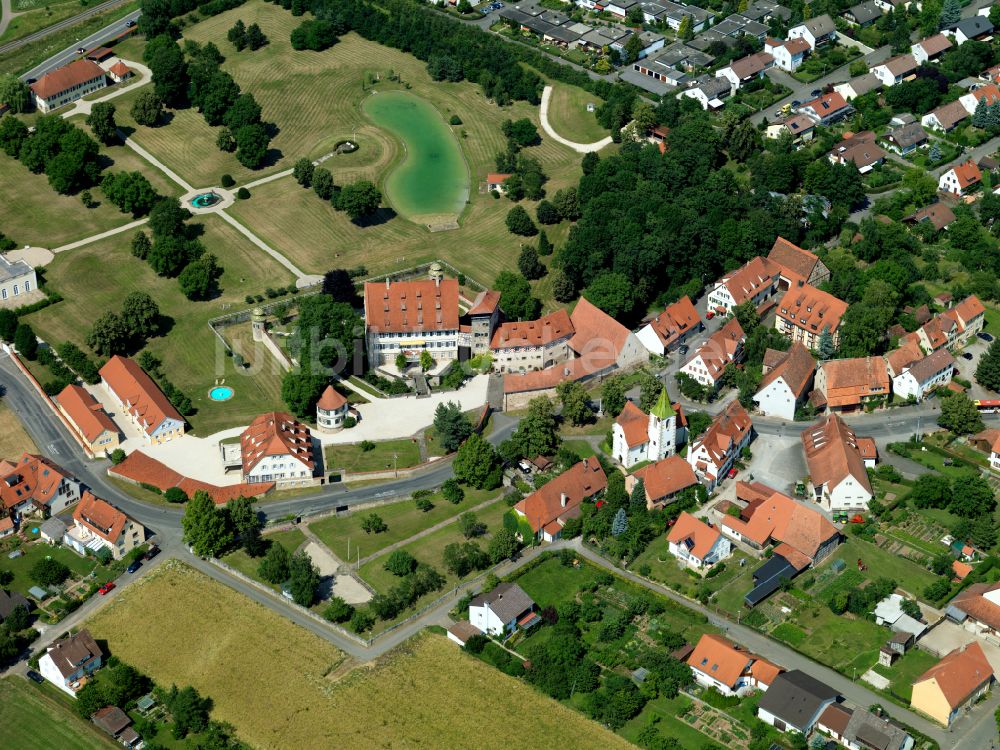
(462, 631)
(38, 593)
(52, 530)
(145, 703)
(640, 675)
(839, 566)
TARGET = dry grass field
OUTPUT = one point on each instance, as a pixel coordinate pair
(13, 439)
(272, 679)
(97, 277)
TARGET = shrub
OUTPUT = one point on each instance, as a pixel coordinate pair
(117, 456)
(350, 422)
(175, 495)
(338, 610)
(242, 193)
(367, 445)
(227, 181)
(455, 120)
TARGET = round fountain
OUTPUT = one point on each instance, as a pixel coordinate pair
(206, 200)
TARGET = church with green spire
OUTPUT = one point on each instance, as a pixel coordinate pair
(637, 436)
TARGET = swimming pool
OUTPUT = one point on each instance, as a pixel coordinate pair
(221, 393)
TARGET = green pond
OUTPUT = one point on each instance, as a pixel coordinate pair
(433, 178)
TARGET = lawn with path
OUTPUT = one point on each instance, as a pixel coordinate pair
(97, 278)
(354, 458)
(569, 117)
(31, 720)
(906, 669)
(162, 626)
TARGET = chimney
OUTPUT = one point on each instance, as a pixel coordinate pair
(387, 282)
(437, 281)
(563, 499)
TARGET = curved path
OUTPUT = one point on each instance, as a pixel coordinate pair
(582, 148)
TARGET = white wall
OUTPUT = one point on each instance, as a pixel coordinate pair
(777, 400)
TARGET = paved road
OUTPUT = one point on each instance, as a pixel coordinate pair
(67, 55)
(8, 14)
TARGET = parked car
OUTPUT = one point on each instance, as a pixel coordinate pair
(106, 588)
(984, 336)
(796, 103)
(152, 552)
(130, 24)
(133, 567)
(733, 472)
(816, 92)
(710, 314)
(683, 349)
(966, 355)
(35, 677)
(80, 50)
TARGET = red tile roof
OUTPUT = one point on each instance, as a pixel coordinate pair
(966, 310)
(826, 105)
(790, 256)
(727, 429)
(411, 306)
(694, 533)
(85, 412)
(545, 505)
(597, 333)
(131, 384)
(795, 367)
(960, 569)
(666, 477)
(331, 400)
(959, 674)
(546, 330)
(64, 78)
(832, 454)
(634, 423)
(276, 433)
(100, 517)
(777, 517)
(720, 349)
(968, 174)
(32, 478)
(140, 468)
(811, 309)
(485, 303)
(120, 69)
(496, 178)
(720, 659)
(849, 380)
(749, 279)
(676, 320)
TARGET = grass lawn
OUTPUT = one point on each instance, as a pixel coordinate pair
(667, 710)
(162, 626)
(289, 539)
(907, 669)
(569, 117)
(581, 448)
(33, 721)
(21, 566)
(403, 518)
(881, 564)
(13, 439)
(97, 277)
(353, 458)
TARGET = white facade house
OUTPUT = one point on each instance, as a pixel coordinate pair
(277, 448)
(922, 377)
(501, 611)
(713, 454)
(788, 55)
(817, 31)
(67, 84)
(723, 347)
(410, 317)
(637, 436)
(99, 525)
(67, 661)
(17, 279)
(696, 544)
(895, 70)
(961, 179)
(837, 472)
(788, 377)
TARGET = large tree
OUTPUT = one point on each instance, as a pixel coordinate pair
(206, 526)
(959, 414)
(515, 291)
(477, 463)
(141, 315)
(251, 145)
(273, 568)
(339, 285)
(451, 426)
(199, 279)
(359, 199)
(303, 579)
(538, 432)
(147, 109)
(247, 524)
(102, 122)
(988, 369)
(574, 402)
(25, 341)
(131, 192)
(14, 93)
(170, 74)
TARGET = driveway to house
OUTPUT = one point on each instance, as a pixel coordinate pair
(582, 148)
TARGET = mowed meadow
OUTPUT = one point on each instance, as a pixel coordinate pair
(277, 683)
(315, 99)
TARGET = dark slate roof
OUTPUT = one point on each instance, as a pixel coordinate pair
(768, 578)
(506, 601)
(8, 601)
(972, 27)
(795, 698)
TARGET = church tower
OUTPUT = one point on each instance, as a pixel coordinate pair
(662, 429)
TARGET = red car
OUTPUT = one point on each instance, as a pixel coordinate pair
(106, 588)
(732, 473)
(710, 314)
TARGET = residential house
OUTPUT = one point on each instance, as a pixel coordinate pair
(938, 215)
(708, 92)
(547, 509)
(907, 138)
(723, 347)
(671, 328)
(99, 525)
(961, 179)
(988, 441)
(889, 612)
(788, 55)
(989, 94)
(68, 662)
(895, 70)
(952, 328)
(67, 84)
(788, 377)
(146, 405)
(859, 150)
(117, 724)
(9, 601)
(837, 473)
(495, 182)
(120, 72)
(858, 86)
(663, 480)
(960, 570)
(976, 27)
(797, 263)
(957, 681)
(713, 454)
(805, 313)
(278, 448)
(945, 117)
(732, 670)
(795, 701)
(52, 530)
(818, 31)
(411, 317)
(930, 49)
(977, 609)
(6, 527)
(755, 281)
(696, 544)
(17, 279)
(857, 729)
(849, 384)
(532, 344)
(87, 415)
(503, 610)
(637, 436)
(35, 485)
(745, 69)
(827, 109)
(461, 631)
(331, 410)
(765, 10)
(863, 14)
(929, 373)
(800, 127)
